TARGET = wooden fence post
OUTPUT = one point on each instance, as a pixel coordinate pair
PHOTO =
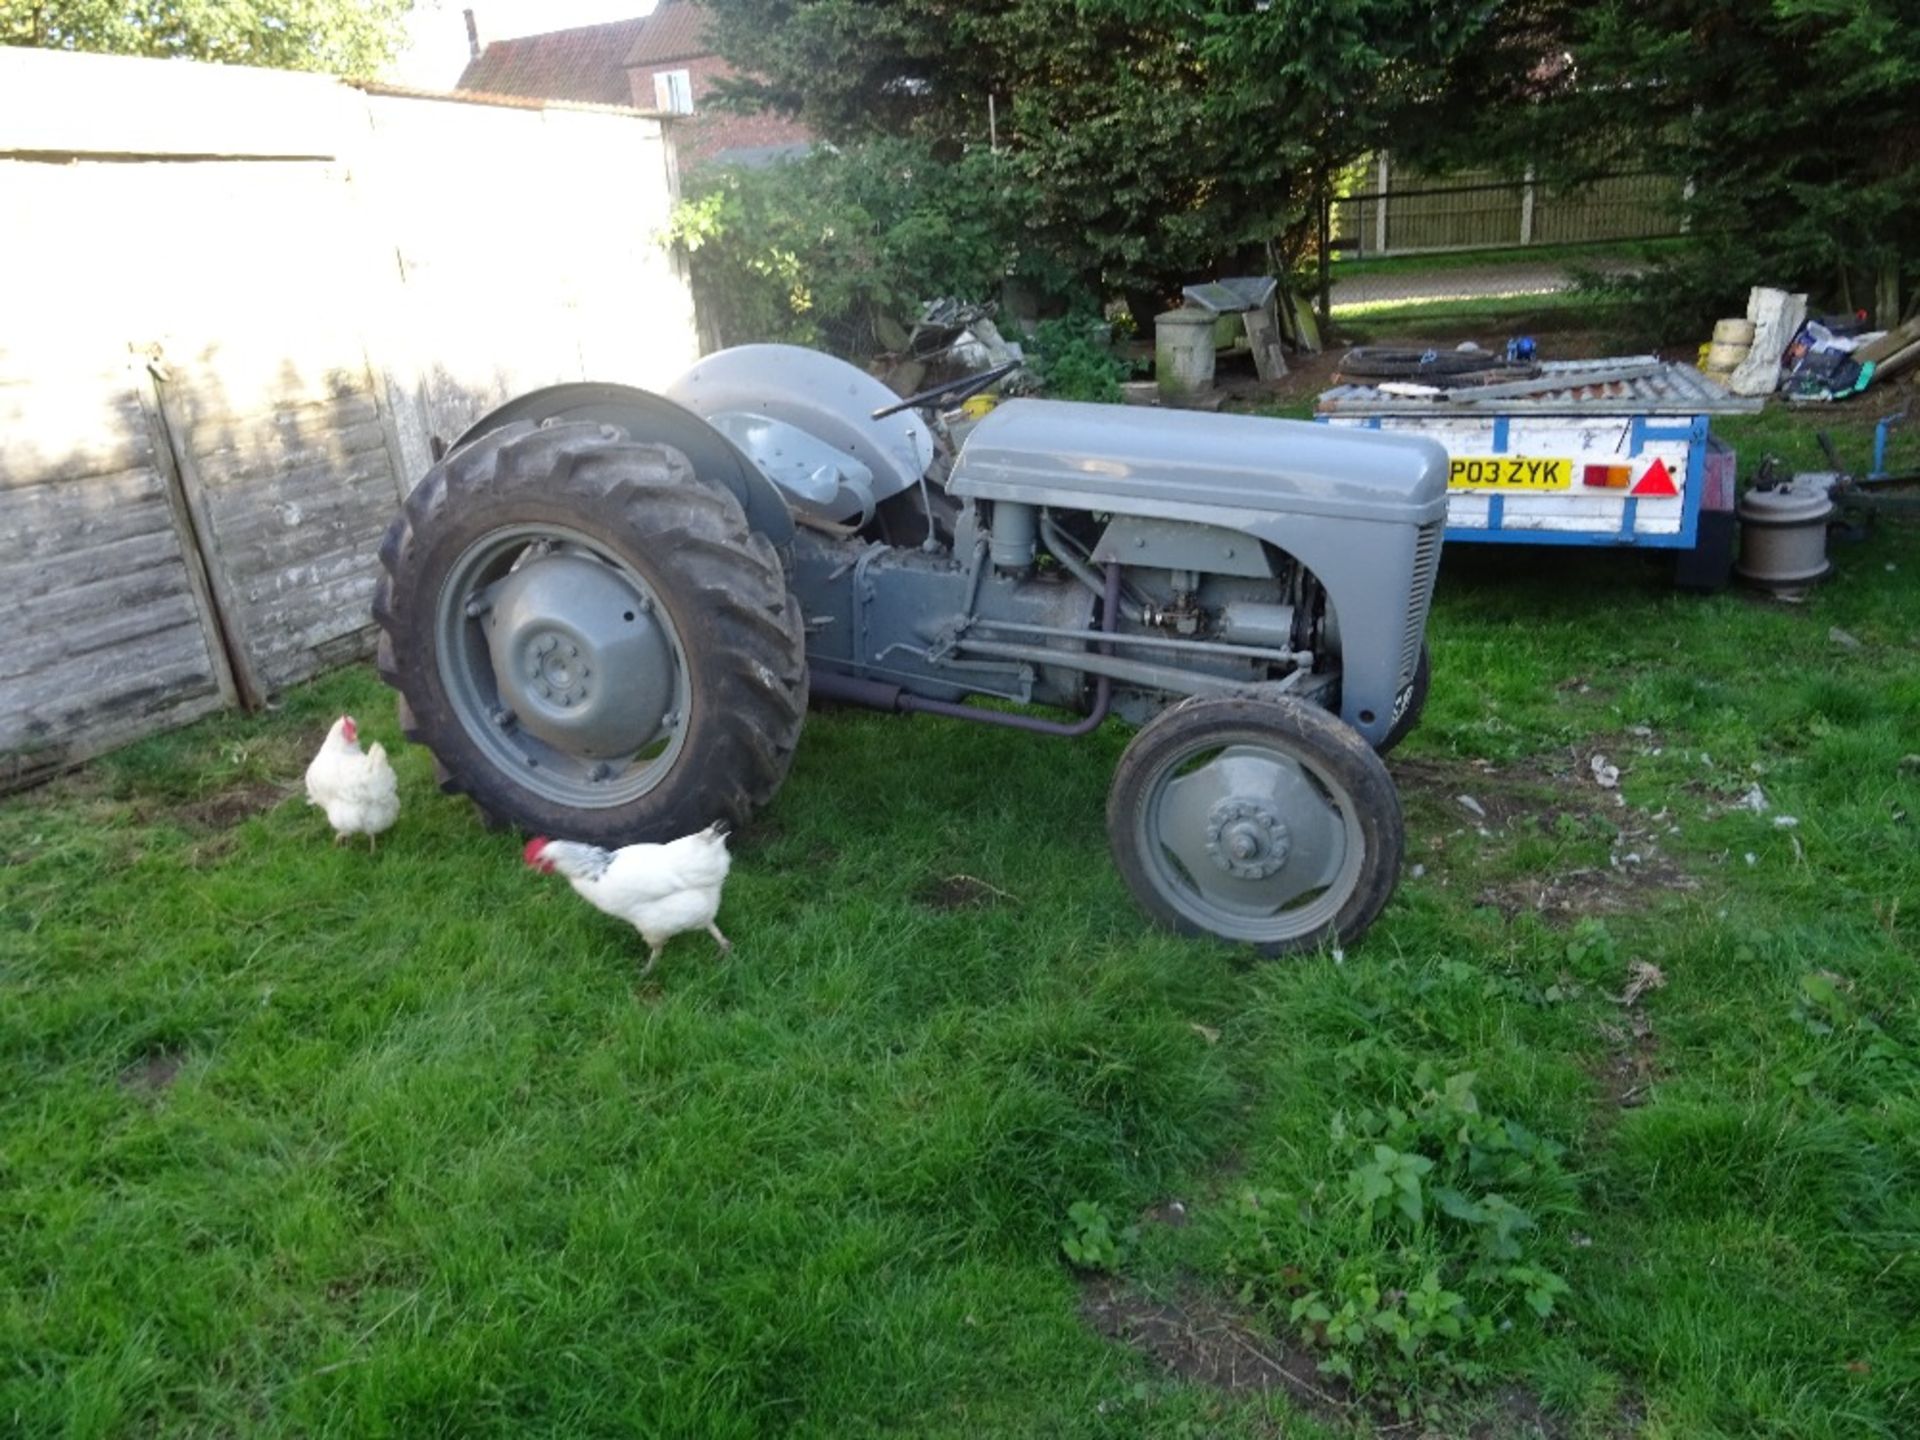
(1380, 208)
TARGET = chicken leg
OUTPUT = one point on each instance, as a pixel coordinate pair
(726, 945)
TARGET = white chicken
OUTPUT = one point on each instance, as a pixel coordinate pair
(358, 791)
(660, 890)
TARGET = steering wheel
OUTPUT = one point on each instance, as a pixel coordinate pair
(958, 389)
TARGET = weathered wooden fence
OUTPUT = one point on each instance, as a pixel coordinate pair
(1395, 211)
(236, 305)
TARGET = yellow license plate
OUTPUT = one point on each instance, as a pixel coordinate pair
(1508, 472)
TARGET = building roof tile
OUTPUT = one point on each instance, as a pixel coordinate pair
(675, 31)
(586, 64)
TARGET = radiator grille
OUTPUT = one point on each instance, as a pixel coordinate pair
(1426, 564)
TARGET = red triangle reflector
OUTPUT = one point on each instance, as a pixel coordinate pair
(1655, 482)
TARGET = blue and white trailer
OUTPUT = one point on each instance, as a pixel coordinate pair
(1613, 453)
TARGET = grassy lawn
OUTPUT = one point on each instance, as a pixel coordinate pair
(1572, 256)
(298, 1140)
(1511, 314)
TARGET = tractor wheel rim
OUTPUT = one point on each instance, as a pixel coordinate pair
(563, 666)
(1250, 841)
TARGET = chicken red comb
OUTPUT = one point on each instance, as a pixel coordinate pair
(534, 849)
(350, 730)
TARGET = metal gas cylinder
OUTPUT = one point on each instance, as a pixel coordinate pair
(1783, 536)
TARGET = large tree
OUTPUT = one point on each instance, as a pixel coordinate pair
(1148, 141)
(1795, 121)
(337, 36)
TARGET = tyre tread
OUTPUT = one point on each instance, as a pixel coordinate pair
(699, 541)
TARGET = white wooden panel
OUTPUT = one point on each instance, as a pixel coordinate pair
(1601, 440)
(58, 102)
(302, 266)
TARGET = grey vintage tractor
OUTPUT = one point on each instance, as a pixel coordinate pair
(606, 611)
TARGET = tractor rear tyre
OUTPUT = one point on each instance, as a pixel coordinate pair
(591, 641)
(1267, 822)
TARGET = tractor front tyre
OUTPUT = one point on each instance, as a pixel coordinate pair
(1269, 823)
(591, 641)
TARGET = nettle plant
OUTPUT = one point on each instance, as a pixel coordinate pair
(1093, 1240)
(1413, 1264)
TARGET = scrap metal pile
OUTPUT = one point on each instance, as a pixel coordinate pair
(951, 338)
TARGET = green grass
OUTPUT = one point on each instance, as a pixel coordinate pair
(1371, 320)
(1564, 310)
(1569, 255)
(298, 1140)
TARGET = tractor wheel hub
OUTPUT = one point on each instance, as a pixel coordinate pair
(579, 657)
(1247, 839)
(558, 669)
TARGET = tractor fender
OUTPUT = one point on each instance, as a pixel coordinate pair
(651, 419)
(821, 395)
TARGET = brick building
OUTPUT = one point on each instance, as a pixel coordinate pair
(657, 62)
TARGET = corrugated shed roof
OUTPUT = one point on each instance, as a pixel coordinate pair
(587, 64)
(1669, 389)
(675, 31)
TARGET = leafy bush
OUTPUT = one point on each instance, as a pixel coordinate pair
(1408, 1268)
(1073, 359)
(811, 251)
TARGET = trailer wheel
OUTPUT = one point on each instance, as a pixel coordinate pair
(1266, 822)
(1416, 703)
(589, 639)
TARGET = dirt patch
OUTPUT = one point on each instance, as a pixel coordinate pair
(1628, 1065)
(153, 1074)
(1631, 1064)
(1306, 377)
(1485, 795)
(1203, 1341)
(1576, 894)
(1558, 793)
(960, 892)
(226, 809)
(1516, 1414)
